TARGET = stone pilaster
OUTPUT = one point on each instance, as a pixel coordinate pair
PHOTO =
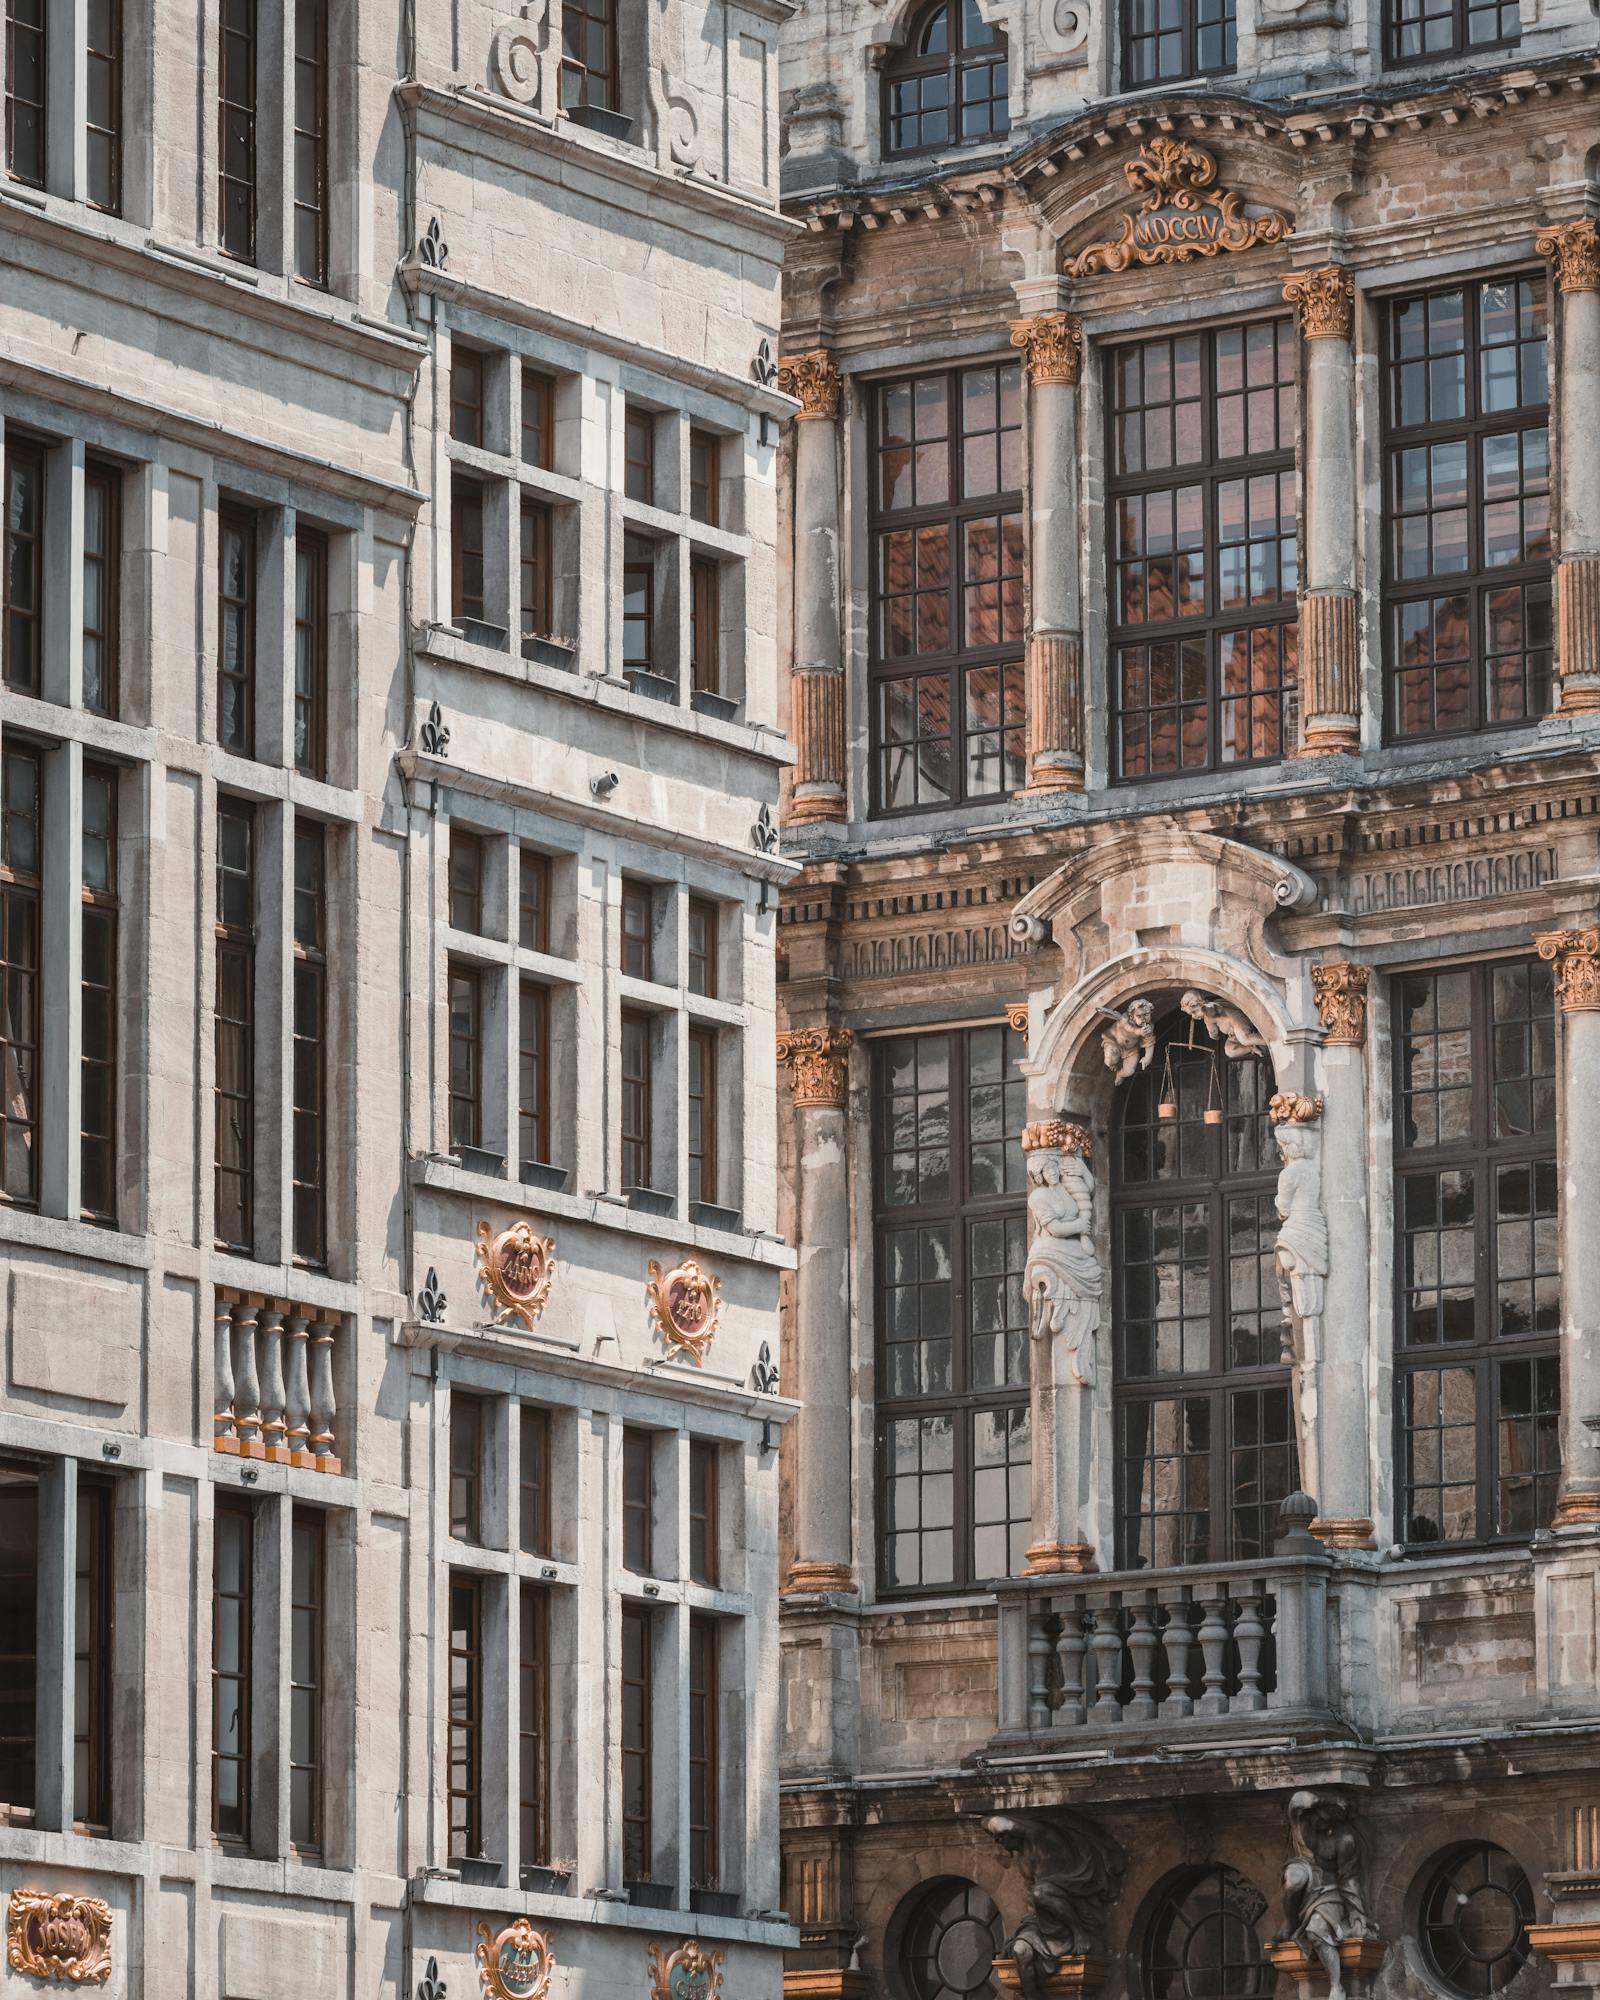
(1573, 249)
(817, 692)
(1576, 958)
(1330, 681)
(818, 1063)
(1052, 346)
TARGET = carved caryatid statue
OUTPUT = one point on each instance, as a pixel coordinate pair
(1323, 1900)
(1130, 1042)
(1223, 1024)
(1073, 1874)
(1302, 1252)
(1062, 1278)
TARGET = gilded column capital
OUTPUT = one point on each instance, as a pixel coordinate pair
(1324, 299)
(817, 1060)
(814, 378)
(1574, 249)
(1340, 991)
(1576, 958)
(1052, 346)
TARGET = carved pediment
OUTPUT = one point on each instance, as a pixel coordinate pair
(1185, 212)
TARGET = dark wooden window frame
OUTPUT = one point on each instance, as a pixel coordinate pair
(639, 553)
(27, 160)
(98, 1052)
(309, 1097)
(534, 885)
(468, 585)
(310, 142)
(93, 1640)
(308, 1591)
(468, 394)
(538, 418)
(701, 1100)
(536, 596)
(21, 971)
(242, 607)
(103, 57)
(469, 1419)
(240, 1681)
(639, 455)
(986, 62)
(1486, 1353)
(1475, 582)
(705, 1746)
(466, 1104)
(238, 162)
(311, 652)
(705, 624)
(638, 1096)
(236, 956)
(1459, 13)
(638, 928)
(1211, 473)
(1130, 38)
(465, 867)
(102, 566)
(464, 1765)
(24, 564)
(704, 920)
(705, 1498)
(534, 1486)
(535, 1138)
(533, 1724)
(585, 83)
(705, 477)
(637, 1742)
(638, 1500)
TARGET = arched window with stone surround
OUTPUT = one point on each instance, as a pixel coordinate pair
(948, 85)
(1205, 1442)
(1203, 1941)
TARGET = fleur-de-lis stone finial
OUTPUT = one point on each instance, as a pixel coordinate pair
(433, 249)
(431, 1986)
(431, 1301)
(764, 834)
(765, 366)
(436, 733)
(764, 1375)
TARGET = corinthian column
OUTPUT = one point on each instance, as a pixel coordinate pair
(1330, 698)
(1576, 958)
(818, 1063)
(1064, 1285)
(1574, 252)
(816, 714)
(1052, 344)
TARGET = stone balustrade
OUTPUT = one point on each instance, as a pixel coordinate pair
(274, 1381)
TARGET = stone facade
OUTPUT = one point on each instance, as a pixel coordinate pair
(1087, 933)
(391, 737)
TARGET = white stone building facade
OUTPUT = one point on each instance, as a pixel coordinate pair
(391, 738)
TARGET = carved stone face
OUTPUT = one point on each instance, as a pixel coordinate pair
(1142, 1015)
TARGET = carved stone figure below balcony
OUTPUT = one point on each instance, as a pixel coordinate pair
(1074, 1874)
(1324, 1900)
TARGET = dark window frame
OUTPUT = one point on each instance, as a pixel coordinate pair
(957, 63)
(309, 1048)
(1459, 14)
(637, 1740)
(638, 928)
(308, 1637)
(639, 555)
(238, 159)
(236, 953)
(104, 57)
(639, 455)
(534, 888)
(957, 1215)
(705, 1747)
(24, 561)
(464, 1757)
(465, 982)
(535, 1133)
(103, 564)
(237, 1833)
(468, 394)
(468, 579)
(98, 1053)
(536, 595)
(704, 919)
(21, 968)
(638, 1500)
(31, 168)
(637, 1080)
(534, 1492)
(585, 83)
(310, 143)
(238, 609)
(538, 434)
(705, 624)
(311, 652)
(1211, 473)
(1477, 582)
(469, 1422)
(464, 867)
(700, 1107)
(705, 1512)
(1132, 38)
(93, 1642)
(705, 477)
(534, 1743)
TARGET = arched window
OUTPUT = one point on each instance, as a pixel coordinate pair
(947, 86)
(1204, 1418)
(949, 1942)
(1202, 1944)
(1476, 1911)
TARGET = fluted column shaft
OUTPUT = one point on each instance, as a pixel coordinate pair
(1330, 694)
(1574, 251)
(823, 1513)
(1053, 346)
(817, 690)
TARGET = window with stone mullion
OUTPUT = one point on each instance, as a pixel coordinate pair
(1478, 1286)
(952, 1346)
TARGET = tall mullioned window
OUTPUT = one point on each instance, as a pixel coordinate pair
(102, 585)
(236, 631)
(232, 1675)
(236, 130)
(1203, 550)
(1166, 41)
(1203, 1413)
(25, 90)
(590, 69)
(311, 141)
(1478, 1314)
(234, 1084)
(307, 1609)
(97, 1194)
(309, 1150)
(948, 85)
(310, 652)
(1467, 559)
(23, 583)
(21, 889)
(1424, 30)
(103, 102)
(948, 597)
(954, 1440)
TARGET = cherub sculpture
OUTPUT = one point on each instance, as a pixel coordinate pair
(1237, 1036)
(1323, 1903)
(1073, 1874)
(1302, 1251)
(1062, 1279)
(1130, 1042)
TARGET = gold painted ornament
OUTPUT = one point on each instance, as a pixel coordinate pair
(59, 1937)
(515, 1269)
(685, 1306)
(518, 1964)
(1183, 215)
(689, 1973)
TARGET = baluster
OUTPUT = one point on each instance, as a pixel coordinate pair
(1142, 1648)
(272, 1423)
(322, 1409)
(298, 1399)
(247, 1381)
(1106, 1640)
(1251, 1633)
(1214, 1645)
(1070, 1650)
(227, 1436)
(1038, 1671)
(1179, 1640)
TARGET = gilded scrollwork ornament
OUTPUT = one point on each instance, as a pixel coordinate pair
(1052, 346)
(59, 1937)
(1325, 300)
(685, 1307)
(1574, 249)
(814, 379)
(689, 1973)
(1340, 991)
(818, 1062)
(516, 1269)
(516, 1963)
(1183, 215)
(1576, 958)
(1017, 1016)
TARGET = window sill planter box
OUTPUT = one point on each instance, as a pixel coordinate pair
(479, 1160)
(709, 1216)
(536, 1174)
(651, 1895)
(656, 686)
(561, 653)
(714, 1902)
(477, 633)
(477, 1871)
(545, 1881)
(703, 702)
(649, 1201)
(614, 124)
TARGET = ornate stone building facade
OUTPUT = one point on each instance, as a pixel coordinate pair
(1190, 999)
(390, 741)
